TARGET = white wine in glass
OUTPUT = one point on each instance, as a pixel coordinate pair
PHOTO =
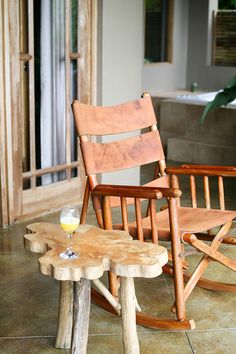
(69, 220)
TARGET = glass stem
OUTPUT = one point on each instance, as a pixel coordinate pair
(69, 242)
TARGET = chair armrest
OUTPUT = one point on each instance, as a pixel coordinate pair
(135, 191)
(189, 169)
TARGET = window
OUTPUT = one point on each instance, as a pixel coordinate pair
(158, 30)
(224, 42)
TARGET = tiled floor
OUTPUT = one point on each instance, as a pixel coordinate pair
(29, 302)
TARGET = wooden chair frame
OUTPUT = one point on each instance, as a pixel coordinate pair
(165, 185)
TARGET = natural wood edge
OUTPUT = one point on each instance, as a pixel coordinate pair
(144, 319)
(30, 243)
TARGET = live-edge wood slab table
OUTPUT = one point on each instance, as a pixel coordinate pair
(99, 251)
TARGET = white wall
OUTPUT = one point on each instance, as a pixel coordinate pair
(121, 61)
(122, 50)
(200, 70)
(170, 76)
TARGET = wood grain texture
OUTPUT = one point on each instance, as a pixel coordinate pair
(68, 85)
(14, 89)
(15, 117)
(9, 113)
(3, 130)
(32, 123)
(53, 197)
(130, 338)
(146, 192)
(65, 316)
(99, 251)
(82, 291)
(84, 39)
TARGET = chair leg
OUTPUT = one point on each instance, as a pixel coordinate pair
(209, 252)
(177, 261)
(114, 283)
(85, 203)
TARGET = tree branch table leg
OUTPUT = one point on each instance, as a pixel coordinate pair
(130, 338)
(65, 316)
(82, 296)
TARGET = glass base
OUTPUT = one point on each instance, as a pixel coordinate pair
(68, 254)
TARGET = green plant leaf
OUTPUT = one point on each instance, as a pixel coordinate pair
(222, 98)
(231, 82)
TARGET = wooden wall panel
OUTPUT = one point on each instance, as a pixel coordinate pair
(15, 203)
(84, 48)
(3, 152)
(16, 116)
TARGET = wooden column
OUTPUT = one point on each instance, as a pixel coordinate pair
(15, 140)
(128, 300)
(7, 113)
(82, 296)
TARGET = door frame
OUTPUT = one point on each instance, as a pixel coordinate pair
(16, 203)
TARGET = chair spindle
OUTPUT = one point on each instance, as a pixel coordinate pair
(207, 192)
(124, 213)
(138, 213)
(175, 184)
(221, 192)
(162, 166)
(107, 216)
(193, 191)
(152, 208)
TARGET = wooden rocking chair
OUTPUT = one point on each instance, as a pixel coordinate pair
(179, 225)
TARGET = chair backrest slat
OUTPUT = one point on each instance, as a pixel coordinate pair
(130, 116)
(122, 154)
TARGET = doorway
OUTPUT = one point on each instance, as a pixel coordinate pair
(48, 59)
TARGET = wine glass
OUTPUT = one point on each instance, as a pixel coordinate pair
(69, 220)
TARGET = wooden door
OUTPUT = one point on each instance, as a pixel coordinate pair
(23, 193)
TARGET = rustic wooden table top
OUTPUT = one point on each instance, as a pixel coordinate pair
(99, 251)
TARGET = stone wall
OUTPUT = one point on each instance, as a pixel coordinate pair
(186, 140)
